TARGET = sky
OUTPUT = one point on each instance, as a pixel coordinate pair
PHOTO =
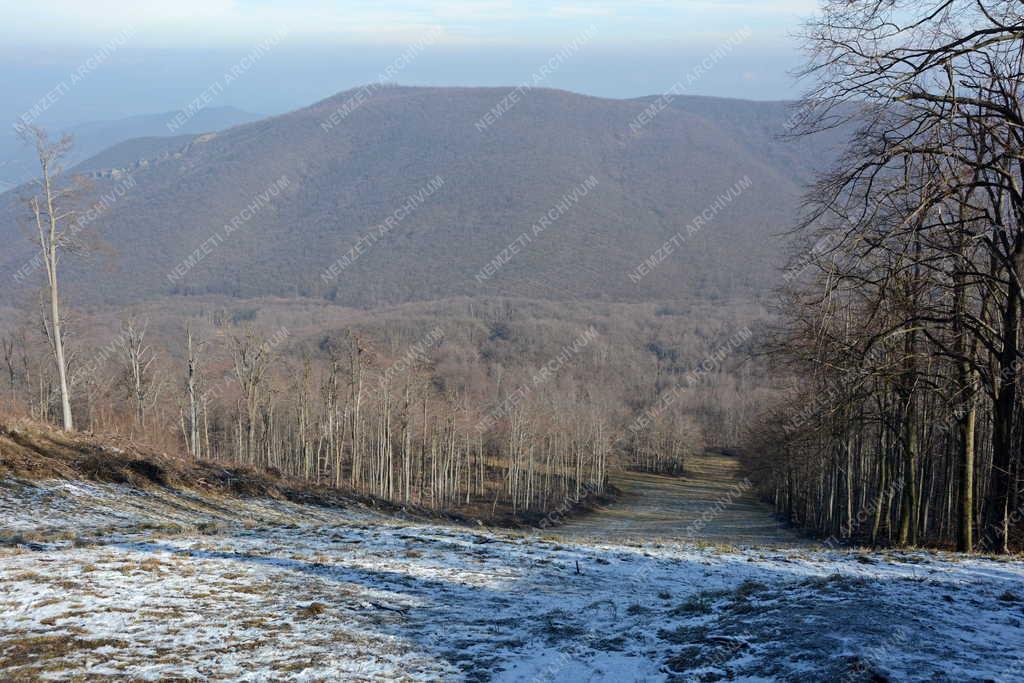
(107, 59)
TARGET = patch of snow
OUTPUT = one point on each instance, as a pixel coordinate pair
(275, 590)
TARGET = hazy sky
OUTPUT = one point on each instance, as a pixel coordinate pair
(156, 56)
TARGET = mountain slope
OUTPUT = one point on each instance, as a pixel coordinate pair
(341, 174)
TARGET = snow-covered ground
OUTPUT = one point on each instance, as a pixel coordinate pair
(202, 588)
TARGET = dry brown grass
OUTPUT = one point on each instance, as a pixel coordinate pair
(313, 609)
(43, 653)
(46, 602)
(151, 564)
(30, 450)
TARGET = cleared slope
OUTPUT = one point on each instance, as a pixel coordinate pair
(285, 591)
(711, 503)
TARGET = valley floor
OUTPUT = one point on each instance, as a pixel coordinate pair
(102, 581)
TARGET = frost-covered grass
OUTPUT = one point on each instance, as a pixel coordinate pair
(187, 587)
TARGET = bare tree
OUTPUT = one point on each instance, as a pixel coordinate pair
(137, 358)
(55, 222)
(7, 347)
(192, 350)
(250, 355)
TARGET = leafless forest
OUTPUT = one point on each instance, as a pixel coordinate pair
(495, 408)
(903, 313)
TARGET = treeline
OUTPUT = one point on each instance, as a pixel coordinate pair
(904, 424)
(485, 406)
(338, 413)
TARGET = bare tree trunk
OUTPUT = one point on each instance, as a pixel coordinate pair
(51, 241)
(194, 445)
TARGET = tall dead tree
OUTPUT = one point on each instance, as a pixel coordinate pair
(55, 224)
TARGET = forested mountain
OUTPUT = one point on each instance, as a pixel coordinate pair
(478, 168)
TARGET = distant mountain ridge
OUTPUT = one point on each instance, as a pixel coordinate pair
(344, 183)
(17, 163)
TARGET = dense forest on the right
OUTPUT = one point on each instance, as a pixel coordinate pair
(901, 314)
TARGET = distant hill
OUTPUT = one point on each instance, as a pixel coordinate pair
(344, 165)
(17, 163)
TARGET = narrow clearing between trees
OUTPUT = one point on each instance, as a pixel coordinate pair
(711, 502)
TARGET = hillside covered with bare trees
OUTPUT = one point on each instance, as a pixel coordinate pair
(483, 405)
